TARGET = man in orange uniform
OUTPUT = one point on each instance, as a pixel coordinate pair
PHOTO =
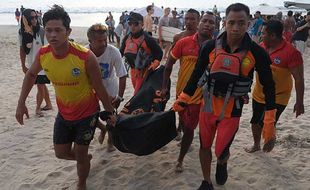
(286, 62)
(76, 77)
(225, 69)
(187, 50)
(141, 51)
(191, 19)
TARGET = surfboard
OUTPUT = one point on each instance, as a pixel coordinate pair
(167, 32)
(302, 5)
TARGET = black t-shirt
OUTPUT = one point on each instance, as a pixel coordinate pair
(303, 34)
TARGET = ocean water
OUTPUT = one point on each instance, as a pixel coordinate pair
(77, 19)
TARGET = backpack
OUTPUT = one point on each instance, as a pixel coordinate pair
(223, 78)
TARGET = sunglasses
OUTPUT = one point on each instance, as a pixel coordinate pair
(133, 23)
(33, 17)
(100, 28)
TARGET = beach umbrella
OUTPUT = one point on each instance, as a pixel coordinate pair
(158, 12)
(265, 9)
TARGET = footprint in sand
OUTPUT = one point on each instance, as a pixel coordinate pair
(303, 126)
(251, 180)
(272, 188)
(113, 173)
(24, 186)
(55, 174)
(163, 149)
(296, 122)
(165, 164)
(103, 162)
(69, 168)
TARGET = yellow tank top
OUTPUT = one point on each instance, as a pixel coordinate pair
(74, 94)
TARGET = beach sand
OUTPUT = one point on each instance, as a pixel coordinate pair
(27, 159)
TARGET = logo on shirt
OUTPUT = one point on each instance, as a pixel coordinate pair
(277, 60)
(76, 72)
(105, 73)
(226, 62)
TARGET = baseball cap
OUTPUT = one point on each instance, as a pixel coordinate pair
(135, 17)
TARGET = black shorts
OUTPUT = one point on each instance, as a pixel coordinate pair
(42, 79)
(81, 131)
(259, 112)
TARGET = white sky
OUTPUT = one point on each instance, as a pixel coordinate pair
(135, 3)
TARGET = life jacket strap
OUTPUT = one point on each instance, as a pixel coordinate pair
(228, 94)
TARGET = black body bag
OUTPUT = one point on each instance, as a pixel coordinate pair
(144, 133)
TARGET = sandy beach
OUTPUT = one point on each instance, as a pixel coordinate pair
(27, 160)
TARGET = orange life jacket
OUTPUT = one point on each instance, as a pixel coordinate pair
(137, 57)
(132, 46)
(223, 77)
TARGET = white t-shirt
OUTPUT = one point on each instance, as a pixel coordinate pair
(119, 30)
(36, 45)
(112, 68)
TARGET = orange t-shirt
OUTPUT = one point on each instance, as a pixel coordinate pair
(283, 58)
(187, 50)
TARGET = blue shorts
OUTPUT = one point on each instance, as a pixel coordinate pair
(80, 131)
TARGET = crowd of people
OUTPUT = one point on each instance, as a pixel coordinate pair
(217, 69)
(295, 27)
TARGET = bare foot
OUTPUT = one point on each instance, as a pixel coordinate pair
(81, 186)
(110, 147)
(179, 136)
(252, 149)
(269, 145)
(46, 108)
(179, 167)
(39, 114)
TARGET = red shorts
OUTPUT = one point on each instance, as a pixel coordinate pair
(136, 79)
(190, 116)
(226, 130)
